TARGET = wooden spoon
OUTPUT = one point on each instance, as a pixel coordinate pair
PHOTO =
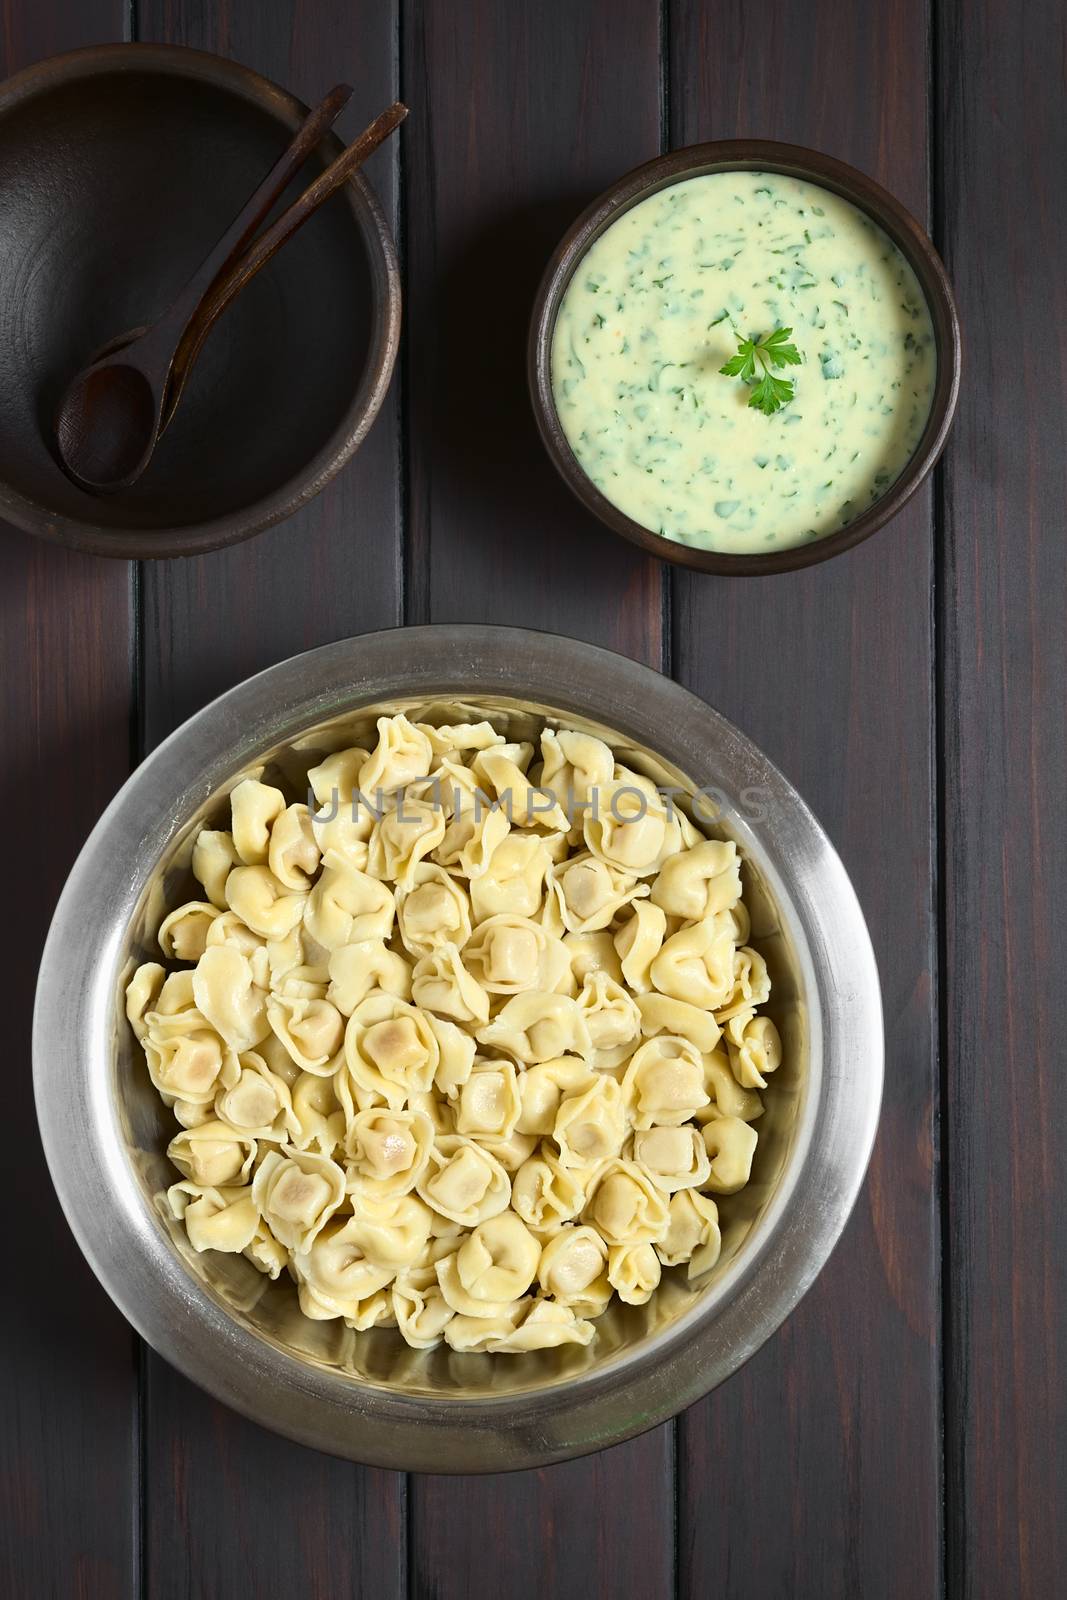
(115, 410)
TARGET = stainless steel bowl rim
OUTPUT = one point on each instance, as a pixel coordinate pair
(321, 1406)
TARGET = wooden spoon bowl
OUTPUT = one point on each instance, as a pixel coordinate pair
(119, 168)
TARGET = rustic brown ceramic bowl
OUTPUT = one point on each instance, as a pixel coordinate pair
(760, 155)
(120, 167)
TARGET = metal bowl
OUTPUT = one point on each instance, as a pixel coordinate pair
(367, 1396)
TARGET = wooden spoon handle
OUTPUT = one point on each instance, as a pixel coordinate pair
(311, 130)
(242, 270)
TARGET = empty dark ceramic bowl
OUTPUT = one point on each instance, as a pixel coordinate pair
(120, 167)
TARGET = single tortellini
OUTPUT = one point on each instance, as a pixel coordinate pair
(697, 883)
(312, 1031)
(347, 906)
(464, 1182)
(696, 964)
(213, 1155)
(338, 1275)
(187, 1062)
(214, 1219)
(441, 983)
(421, 1310)
(591, 1126)
(190, 1113)
(630, 827)
(731, 1144)
(727, 1097)
(758, 1054)
(693, 1234)
(572, 765)
(574, 1269)
(293, 854)
(228, 997)
(142, 992)
(661, 1013)
(296, 1194)
(542, 1088)
(514, 879)
(634, 1272)
(390, 1049)
(458, 738)
(470, 1334)
(638, 943)
(751, 986)
(388, 1151)
(183, 935)
(403, 837)
(336, 779)
(402, 755)
(541, 1325)
(585, 894)
(228, 928)
(625, 1206)
(254, 807)
(262, 903)
(498, 1260)
(343, 817)
(472, 839)
(451, 788)
(664, 1082)
(214, 858)
(592, 953)
(674, 1158)
(264, 1251)
(488, 1104)
(545, 1193)
(536, 1027)
(318, 1118)
(456, 1053)
(259, 1103)
(508, 954)
(432, 909)
(611, 1014)
(355, 969)
(503, 778)
(391, 1230)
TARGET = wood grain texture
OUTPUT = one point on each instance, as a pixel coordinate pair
(835, 1424)
(519, 115)
(68, 1377)
(334, 568)
(1004, 715)
(229, 1508)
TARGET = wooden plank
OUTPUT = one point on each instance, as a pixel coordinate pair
(816, 1470)
(231, 1509)
(520, 114)
(1004, 142)
(68, 1377)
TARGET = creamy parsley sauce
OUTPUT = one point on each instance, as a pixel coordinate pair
(658, 304)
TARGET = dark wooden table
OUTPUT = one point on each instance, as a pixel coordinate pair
(905, 1433)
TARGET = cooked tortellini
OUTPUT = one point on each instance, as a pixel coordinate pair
(466, 1040)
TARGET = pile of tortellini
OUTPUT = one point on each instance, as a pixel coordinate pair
(470, 1055)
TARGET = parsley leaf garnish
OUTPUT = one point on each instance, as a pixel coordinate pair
(753, 363)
